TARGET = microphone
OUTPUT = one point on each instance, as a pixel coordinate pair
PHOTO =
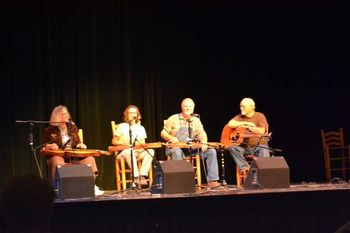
(70, 121)
(195, 115)
(269, 136)
(135, 118)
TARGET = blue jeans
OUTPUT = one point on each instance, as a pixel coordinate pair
(238, 153)
(209, 156)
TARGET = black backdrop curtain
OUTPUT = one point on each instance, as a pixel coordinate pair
(97, 57)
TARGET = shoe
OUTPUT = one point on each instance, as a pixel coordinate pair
(137, 180)
(213, 184)
(244, 172)
(98, 191)
(143, 181)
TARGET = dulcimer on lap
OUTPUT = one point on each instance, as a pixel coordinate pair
(151, 145)
(194, 145)
(74, 152)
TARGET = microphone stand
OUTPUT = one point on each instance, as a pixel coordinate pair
(153, 157)
(189, 141)
(31, 139)
(221, 149)
(133, 185)
(272, 150)
(223, 176)
(144, 148)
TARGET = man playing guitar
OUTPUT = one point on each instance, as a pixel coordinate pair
(247, 132)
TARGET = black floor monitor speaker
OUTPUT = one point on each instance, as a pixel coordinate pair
(268, 173)
(74, 181)
(173, 176)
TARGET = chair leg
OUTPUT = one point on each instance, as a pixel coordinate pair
(327, 166)
(198, 171)
(150, 176)
(239, 178)
(122, 163)
(117, 174)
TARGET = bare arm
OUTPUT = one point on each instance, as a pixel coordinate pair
(249, 125)
(235, 124)
(167, 137)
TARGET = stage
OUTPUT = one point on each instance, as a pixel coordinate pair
(300, 208)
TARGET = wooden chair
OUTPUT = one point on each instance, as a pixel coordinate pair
(80, 134)
(196, 164)
(122, 173)
(240, 178)
(336, 154)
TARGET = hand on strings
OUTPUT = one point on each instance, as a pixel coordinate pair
(51, 146)
(174, 140)
(82, 146)
(204, 147)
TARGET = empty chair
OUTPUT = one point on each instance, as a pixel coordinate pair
(336, 154)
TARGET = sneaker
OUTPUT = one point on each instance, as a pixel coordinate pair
(98, 191)
(213, 184)
(143, 181)
(137, 180)
(244, 172)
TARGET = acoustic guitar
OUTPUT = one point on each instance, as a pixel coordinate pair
(230, 137)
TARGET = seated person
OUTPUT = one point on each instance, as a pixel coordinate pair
(132, 123)
(63, 134)
(255, 126)
(185, 127)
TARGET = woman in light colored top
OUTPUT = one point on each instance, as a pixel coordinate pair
(121, 136)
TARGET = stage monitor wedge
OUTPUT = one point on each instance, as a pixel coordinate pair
(74, 181)
(173, 176)
(268, 173)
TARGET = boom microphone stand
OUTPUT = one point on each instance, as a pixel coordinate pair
(31, 139)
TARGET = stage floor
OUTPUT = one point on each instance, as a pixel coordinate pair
(132, 194)
(301, 208)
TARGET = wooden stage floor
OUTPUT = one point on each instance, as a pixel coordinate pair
(301, 208)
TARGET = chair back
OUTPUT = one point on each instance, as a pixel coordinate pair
(80, 134)
(336, 154)
(332, 138)
(114, 127)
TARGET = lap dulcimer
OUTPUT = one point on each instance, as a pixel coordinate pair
(74, 152)
(151, 145)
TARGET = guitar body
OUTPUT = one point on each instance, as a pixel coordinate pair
(234, 137)
(225, 137)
